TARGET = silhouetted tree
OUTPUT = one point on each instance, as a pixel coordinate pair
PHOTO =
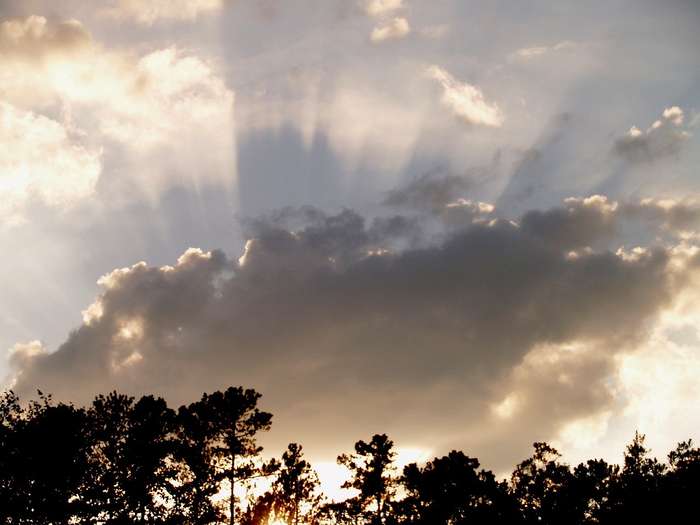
(341, 512)
(295, 490)
(451, 490)
(371, 468)
(545, 490)
(11, 497)
(104, 490)
(197, 481)
(592, 483)
(130, 466)
(52, 454)
(123, 461)
(293, 497)
(682, 482)
(635, 493)
(223, 444)
(148, 458)
(259, 511)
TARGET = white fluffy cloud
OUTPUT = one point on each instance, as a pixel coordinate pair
(381, 7)
(42, 159)
(465, 101)
(168, 111)
(142, 101)
(164, 96)
(393, 29)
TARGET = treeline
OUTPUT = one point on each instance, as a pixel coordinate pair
(128, 461)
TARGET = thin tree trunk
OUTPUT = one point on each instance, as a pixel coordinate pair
(296, 503)
(232, 503)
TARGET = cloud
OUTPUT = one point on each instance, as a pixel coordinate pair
(580, 223)
(41, 159)
(394, 29)
(154, 113)
(35, 38)
(659, 379)
(165, 93)
(664, 138)
(22, 354)
(435, 31)
(578, 376)
(442, 197)
(381, 7)
(361, 126)
(429, 192)
(344, 326)
(467, 102)
(150, 11)
(530, 53)
(674, 216)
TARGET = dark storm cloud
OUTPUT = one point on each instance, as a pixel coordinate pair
(341, 330)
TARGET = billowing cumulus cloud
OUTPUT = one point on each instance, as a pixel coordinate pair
(164, 93)
(150, 11)
(42, 159)
(467, 102)
(159, 109)
(664, 138)
(21, 354)
(393, 29)
(345, 326)
(35, 55)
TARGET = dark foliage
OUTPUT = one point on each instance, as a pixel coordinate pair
(128, 461)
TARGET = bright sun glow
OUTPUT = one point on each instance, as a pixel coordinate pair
(332, 476)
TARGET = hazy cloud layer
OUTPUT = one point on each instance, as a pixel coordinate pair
(150, 11)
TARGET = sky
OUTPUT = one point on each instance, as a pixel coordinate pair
(467, 224)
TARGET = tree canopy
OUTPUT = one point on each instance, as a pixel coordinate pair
(123, 460)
